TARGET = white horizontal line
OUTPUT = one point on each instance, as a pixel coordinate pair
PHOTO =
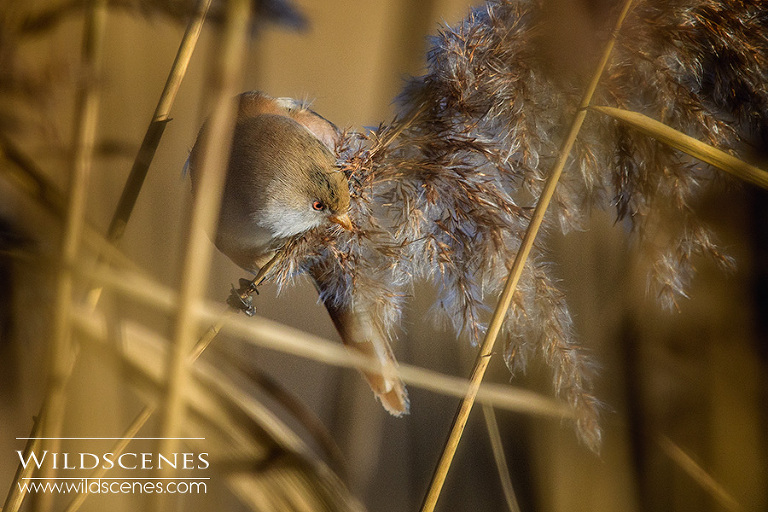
(112, 438)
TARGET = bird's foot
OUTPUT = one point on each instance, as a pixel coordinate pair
(241, 298)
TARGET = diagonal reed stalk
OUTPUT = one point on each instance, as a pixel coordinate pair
(687, 144)
(698, 474)
(499, 314)
(225, 73)
(160, 118)
(215, 328)
(119, 447)
(28, 178)
(143, 416)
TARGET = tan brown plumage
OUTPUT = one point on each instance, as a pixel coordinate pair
(282, 181)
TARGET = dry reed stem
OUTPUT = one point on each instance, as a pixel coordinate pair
(154, 133)
(699, 474)
(61, 353)
(216, 396)
(499, 314)
(226, 71)
(148, 410)
(15, 496)
(208, 337)
(689, 145)
(275, 336)
(156, 127)
(501, 460)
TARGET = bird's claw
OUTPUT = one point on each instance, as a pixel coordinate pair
(242, 298)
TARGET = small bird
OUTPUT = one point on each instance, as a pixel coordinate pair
(282, 181)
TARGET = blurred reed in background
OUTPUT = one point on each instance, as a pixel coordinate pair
(287, 426)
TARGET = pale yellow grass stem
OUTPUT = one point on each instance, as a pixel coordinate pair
(501, 460)
(61, 353)
(225, 73)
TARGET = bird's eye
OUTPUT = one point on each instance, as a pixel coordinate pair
(318, 206)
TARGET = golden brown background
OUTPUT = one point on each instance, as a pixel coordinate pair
(696, 378)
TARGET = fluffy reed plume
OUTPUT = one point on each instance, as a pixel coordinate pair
(444, 193)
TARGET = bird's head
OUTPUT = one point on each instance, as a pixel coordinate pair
(307, 189)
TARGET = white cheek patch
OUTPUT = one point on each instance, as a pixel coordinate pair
(288, 222)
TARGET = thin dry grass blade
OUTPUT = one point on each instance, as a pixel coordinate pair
(86, 119)
(248, 442)
(275, 336)
(31, 180)
(119, 447)
(156, 127)
(15, 496)
(26, 175)
(699, 474)
(687, 144)
(154, 133)
(500, 458)
(149, 410)
(207, 338)
(226, 73)
(497, 320)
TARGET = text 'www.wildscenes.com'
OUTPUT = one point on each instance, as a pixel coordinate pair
(103, 486)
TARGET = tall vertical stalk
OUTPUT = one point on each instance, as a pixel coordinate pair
(225, 74)
(499, 314)
(75, 221)
(86, 119)
(501, 460)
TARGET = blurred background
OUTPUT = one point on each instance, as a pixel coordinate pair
(683, 392)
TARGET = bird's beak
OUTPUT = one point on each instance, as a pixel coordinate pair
(342, 219)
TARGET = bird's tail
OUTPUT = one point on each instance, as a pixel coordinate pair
(364, 335)
(361, 334)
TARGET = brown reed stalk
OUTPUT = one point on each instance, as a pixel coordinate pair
(155, 130)
(226, 72)
(497, 446)
(499, 314)
(215, 328)
(118, 448)
(32, 181)
(698, 474)
(143, 416)
(86, 119)
(157, 125)
(15, 496)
